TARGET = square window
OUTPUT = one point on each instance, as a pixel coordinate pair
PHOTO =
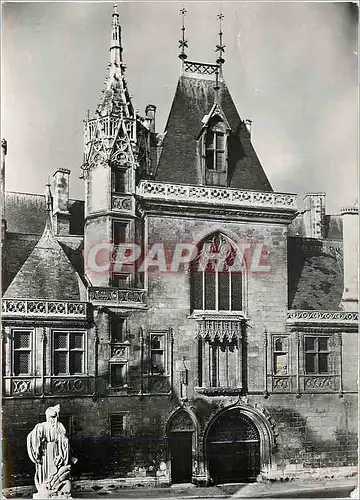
(68, 353)
(121, 280)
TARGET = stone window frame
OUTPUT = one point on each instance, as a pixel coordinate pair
(275, 351)
(84, 351)
(123, 172)
(32, 351)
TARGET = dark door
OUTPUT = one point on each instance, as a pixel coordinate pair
(233, 449)
(181, 456)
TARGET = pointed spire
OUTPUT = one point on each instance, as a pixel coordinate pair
(220, 47)
(115, 39)
(183, 43)
(48, 198)
(115, 97)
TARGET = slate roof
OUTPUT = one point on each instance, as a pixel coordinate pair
(315, 272)
(26, 213)
(179, 160)
(46, 273)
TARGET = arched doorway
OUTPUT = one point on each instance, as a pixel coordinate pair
(233, 448)
(181, 436)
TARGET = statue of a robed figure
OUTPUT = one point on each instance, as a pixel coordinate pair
(48, 448)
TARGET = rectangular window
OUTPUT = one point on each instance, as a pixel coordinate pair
(157, 353)
(117, 374)
(317, 355)
(120, 181)
(280, 356)
(68, 353)
(117, 326)
(119, 232)
(117, 425)
(22, 350)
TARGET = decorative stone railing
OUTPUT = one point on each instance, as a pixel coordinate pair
(350, 210)
(200, 68)
(115, 297)
(216, 195)
(322, 316)
(44, 308)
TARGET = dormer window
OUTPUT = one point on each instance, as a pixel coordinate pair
(215, 146)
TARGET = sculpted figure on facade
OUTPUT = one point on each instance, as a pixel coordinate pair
(48, 448)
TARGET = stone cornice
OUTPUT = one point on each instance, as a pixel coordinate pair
(322, 318)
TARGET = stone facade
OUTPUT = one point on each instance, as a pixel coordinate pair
(146, 378)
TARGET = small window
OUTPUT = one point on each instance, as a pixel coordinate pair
(317, 354)
(120, 232)
(68, 353)
(117, 425)
(120, 181)
(117, 374)
(117, 328)
(121, 280)
(22, 350)
(280, 356)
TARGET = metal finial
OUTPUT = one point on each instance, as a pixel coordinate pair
(183, 43)
(220, 47)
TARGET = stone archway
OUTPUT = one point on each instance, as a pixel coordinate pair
(181, 439)
(238, 443)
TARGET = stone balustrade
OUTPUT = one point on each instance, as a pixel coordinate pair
(44, 308)
(216, 195)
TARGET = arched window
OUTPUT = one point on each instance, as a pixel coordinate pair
(216, 276)
(215, 146)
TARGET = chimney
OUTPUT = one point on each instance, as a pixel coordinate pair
(150, 112)
(61, 214)
(350, 220)
(3, 194)
(314, 216)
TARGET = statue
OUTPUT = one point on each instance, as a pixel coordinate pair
(48, 448)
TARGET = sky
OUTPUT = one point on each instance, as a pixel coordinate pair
(290, 67)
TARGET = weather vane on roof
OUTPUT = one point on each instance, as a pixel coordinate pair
(183, 43)
(220, 47)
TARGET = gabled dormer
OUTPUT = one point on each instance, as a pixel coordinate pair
(213, 140)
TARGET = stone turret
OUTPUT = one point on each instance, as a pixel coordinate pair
(350, 218)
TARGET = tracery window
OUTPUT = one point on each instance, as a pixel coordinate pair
(216, 276)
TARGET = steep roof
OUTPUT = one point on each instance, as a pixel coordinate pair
(179, 160)
(25, 213)
(47, 273)
(315, 274)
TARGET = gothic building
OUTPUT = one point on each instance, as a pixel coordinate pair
(193, 325)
